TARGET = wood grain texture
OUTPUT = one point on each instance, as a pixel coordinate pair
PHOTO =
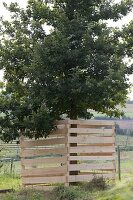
(92, 122)
(50, 160)
(43, 180)
(96, 166)
(43, 142)
(41, 172)
(79, 178)
(85, 139)
(92, 149)
(42, 152)
(92, 158)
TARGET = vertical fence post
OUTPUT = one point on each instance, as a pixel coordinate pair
(11, 165)
(114, 154)
(119, 163)
(21, 158)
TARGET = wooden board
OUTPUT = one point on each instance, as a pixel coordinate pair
(80, 178)
(43, 180)
(92, 122)
(59, 131)
(36, 161)
(92, 158)
(62, 122)
(104, 132)
(92, 149)
(36, 172)
(39, 152)
(85, 139)
(86, 166)
(44, 142)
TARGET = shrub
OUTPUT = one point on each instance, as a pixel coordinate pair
(67, 193)
(97, 183)
(25, 195)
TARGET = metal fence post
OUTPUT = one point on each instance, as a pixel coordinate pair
(11, 165)
(119, 163)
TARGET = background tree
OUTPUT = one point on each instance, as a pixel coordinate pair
(78, 65)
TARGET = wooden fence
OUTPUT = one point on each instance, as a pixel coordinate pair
(77, 151)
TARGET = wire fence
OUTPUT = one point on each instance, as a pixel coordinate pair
(124, 153)
(9, 158)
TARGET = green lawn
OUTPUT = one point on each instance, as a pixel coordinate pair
(10, 182)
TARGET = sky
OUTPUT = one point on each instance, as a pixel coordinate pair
(23, 4)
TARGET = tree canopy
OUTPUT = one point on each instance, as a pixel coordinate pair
(76, 65)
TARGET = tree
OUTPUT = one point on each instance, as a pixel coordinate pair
(78, 65)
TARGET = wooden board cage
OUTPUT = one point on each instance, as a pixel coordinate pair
(70, 154)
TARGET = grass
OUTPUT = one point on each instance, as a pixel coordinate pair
(121, 191)
(24, 195)
(10, 182)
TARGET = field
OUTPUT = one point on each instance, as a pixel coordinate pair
(128, 110)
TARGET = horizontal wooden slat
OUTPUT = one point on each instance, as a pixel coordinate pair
(85, 139)
(39, 152)
(92, 158)
(41, 172)
(36, 161)
(104, 145)
(92, 122)
(86, 166)
(80, 178)
(97, 154)
(62, 122)
(92, 149)
(104, 132)
(43, 180)
(44, 142)
(59, 131)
